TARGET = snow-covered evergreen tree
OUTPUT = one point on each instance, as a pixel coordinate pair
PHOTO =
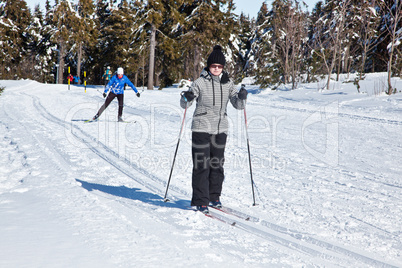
(84, 33)
(61, 20)
(15, 17)
(160, 42)
(140, 44)
(241, 48)
(207, 23)
(117, 36)
(266, 63)
(168, 55)
(39, 48)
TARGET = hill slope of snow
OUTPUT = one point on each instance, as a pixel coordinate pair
(327, 169)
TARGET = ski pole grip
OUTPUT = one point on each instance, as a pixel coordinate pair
(184, 97)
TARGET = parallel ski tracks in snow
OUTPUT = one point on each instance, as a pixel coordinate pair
(295, 239)
(338, 114)
(272, 232)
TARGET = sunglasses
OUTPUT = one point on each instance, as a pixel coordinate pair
(216, 66)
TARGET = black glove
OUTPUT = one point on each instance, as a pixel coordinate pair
(242, 93)
(138, 94)
(104, 95)
(188, 95)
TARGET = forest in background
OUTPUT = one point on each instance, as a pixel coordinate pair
(158, 43)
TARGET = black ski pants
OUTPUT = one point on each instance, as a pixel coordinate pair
(208, 174)
(109, 98)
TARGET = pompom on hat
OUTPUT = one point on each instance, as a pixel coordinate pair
(216, 56)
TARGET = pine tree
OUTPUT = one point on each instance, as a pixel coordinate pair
(38, 44)
(61, 20)
(15, 17)
(103, 10)
(84, 31)
(314, 62)
(267, 65)
(139, 44)
(207, 23)
(166, 40)
(154, 19)
(241, 48)
(118, 35)
(167, 52)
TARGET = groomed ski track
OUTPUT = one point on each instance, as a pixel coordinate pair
(301, 245)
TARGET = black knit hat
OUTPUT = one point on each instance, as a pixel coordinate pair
(216, 56)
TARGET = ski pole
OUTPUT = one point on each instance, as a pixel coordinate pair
(248, 148)
(175, 153)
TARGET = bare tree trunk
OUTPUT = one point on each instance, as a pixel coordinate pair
(362, 70)
(345, 67)
(328, 79)
(396, 18)
(79, 59)
(157, 79)
(338, 71)
(390, 90)
(185, 64)
(196, 71)
(143, 71)
(287, 39)
(61, 62)
(286, 66)
(152, 58)
(337, 37)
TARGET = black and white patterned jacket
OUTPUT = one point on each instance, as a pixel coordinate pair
(212, 94)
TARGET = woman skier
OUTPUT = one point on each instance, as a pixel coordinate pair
(212, 91)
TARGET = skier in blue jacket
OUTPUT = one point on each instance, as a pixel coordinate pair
(116, 87)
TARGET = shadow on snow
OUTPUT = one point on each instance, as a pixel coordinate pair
(135, 194)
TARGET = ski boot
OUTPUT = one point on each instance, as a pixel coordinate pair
(216, 204)
(203, 209)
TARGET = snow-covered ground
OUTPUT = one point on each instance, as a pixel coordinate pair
(327, 167)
